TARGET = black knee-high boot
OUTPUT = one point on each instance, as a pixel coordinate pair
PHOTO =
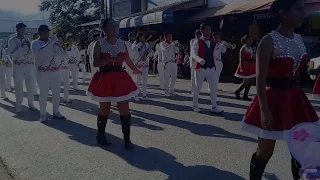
(295, 169)
(238, 91)
(257, 167)
(126, 125)
(246, 93)
(101, 137)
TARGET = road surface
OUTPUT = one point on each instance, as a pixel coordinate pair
(172, 142)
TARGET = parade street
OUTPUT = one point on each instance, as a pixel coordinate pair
(171, 141)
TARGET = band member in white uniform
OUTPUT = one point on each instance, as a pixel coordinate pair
(169, 50)
(142, 51)
(203, 53)
(2, 76)
(197, 35)
(64, 69)
(21, 55)
(8, 69)
(82, 62)
(73, 54)
(34, 81)
(160, 65)
(96, 37)
(131, 52)
(45, 50)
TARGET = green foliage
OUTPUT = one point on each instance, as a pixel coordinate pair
(67, 15)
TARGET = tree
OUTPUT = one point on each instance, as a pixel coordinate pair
(67, 15)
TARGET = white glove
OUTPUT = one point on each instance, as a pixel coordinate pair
(176, 42)
(202, 62)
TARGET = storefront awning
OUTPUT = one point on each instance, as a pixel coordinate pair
(147, 19)
(234, 8)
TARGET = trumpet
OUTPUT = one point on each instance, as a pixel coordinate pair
(94, 31)
(228, 45)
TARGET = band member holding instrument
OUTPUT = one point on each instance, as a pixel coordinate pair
(160, 64)
(21, 55)
(203, 54)
(142, 51)
(169, 49)
(96, 37)
(112, 83)
(73, 55)
(45, 51)
(246, 68)
(64, 69)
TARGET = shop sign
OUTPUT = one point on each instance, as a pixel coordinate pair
(262, 16)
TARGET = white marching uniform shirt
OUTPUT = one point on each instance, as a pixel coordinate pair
(73, 55)
(48, 74)
(142, 64)
(82, 64)
(160, 65)
(168, 52)
(90, 54)
(23, 63)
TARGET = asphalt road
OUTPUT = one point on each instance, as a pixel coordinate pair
(172, 142)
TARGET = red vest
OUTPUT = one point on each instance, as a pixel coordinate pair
(202, 51)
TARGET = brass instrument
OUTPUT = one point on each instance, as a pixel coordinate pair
(228, 45)
(94, 31)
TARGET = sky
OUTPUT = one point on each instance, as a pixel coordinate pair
(23, 6)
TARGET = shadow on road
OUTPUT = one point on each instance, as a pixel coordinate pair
(147, 159)
(198, 129)
(25, 115)
(271, 176)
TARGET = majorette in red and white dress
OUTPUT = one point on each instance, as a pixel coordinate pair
(316, 88)
(287, 102)
(112, 83)
(248, 64)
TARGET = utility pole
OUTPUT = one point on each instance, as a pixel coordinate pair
(102, 10)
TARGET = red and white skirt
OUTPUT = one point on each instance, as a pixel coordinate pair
(247, 70)
(288, 108)
(316, 89)
(112, 87)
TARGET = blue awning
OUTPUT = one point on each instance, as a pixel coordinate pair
(147, 19)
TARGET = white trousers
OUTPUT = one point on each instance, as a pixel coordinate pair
(160, 67)
(23, 73)
(2, 81)
(144, 78)
(193, 85)
(83, 71)
(34, 79)
(65, 75)
(9, 74)
(74, 73)
(46, 81)
(219, 67)
(170, 76)
(210, 75)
